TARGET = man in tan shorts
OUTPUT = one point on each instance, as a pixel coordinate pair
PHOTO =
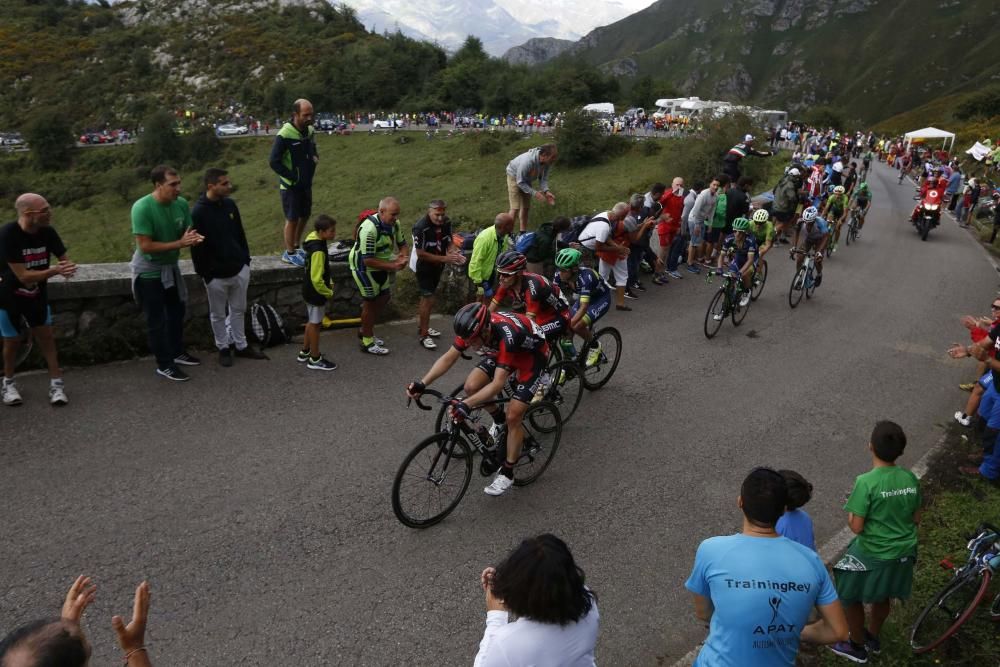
(521, 173)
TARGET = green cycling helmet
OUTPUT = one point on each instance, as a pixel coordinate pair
(741, 225)
(568, 258)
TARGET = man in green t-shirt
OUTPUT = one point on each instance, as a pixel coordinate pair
(716, 223)
(380, 249)
(161, 224)
(883, 511)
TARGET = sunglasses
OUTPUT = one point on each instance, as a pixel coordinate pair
(995, 306)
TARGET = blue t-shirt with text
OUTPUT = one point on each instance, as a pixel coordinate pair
(763, 589)
(798, 527)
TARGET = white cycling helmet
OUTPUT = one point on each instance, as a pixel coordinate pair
(760, 216)
(810, 214)
(749, 137)
(839, 190)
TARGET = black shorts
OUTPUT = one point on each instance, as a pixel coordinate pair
(428, 279)
(783, 218)
(297, 204)
(524, 379)
(713, 234)
(36, 313)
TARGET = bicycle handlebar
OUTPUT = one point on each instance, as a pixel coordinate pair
(430, 392)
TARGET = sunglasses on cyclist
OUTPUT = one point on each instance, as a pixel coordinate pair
(995, 306)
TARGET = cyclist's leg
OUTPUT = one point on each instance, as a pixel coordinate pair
(525, 381)
(479, 377)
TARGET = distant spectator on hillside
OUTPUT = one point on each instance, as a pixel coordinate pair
(521, 174)
(293, 159)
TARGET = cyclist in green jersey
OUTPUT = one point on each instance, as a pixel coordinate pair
(763, 231)
(835, 212)
(862, 201)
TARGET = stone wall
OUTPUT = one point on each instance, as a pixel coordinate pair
(96, 319)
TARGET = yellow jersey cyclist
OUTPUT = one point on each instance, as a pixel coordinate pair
(592, 298)
(862, 202)
(740, 248)
(835, 212)
(763, 231)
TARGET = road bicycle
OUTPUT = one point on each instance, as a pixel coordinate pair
(435, 475)
(726, 302)
(804, 281)
(853, 226)
(955, 603)
(599, 373)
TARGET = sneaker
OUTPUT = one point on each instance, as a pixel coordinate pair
(967, 386)
(718, 317)
(693, 268)
(433, 333)
(11, 396)
(301, 252)
(638, 286)
(850, 651)
(226, 357)
(185, 359)
(320, 364)
(500, 485)
(625, 308)
(963, 418)
(833, 249)
(251, 352)
(675, 275)
(629, 294)
(593, 355)
(872, 643)
(293, 258)
(302, 357)
(374, 348)
(645, 266)
(173, 373)
(660, 280)
(428, 343)
(57, 393)
(745, 300)
(378, 341)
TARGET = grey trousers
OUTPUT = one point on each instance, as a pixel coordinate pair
(228, 326)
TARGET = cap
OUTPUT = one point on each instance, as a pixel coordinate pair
(749, 137)
(437, 203)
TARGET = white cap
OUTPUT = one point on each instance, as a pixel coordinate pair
(749, 137)
(794, 171)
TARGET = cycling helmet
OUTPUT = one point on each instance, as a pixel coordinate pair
(839, 190)
(760, 216)
(470, 320)
(568, 258)
(794, 171)
(511, 262)
(741, 225)
(863, 185)
(810, 214)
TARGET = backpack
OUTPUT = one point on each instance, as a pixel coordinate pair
(339, 251)
(524, 242)
(576, 225)
(463, 240)
(267, 326)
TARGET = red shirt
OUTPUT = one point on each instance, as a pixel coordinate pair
(670, 218)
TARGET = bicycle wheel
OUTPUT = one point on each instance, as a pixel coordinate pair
(798, 287)
(565, 387)
(850, 226)
(716, 313)
(948, 610)
(810, 284)
(596, 376)
(739, 312)
(759, 278)
(431, 480)
(542, 431)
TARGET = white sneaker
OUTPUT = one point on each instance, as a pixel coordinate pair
(57, 394)
(428, 342)
(375, 349)
(496, 430)
(433, 333)
(963, 419)
(11, 396)
(718, 317)
(500, 485)
(745, 300)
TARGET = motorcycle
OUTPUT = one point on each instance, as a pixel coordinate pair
(927, 214)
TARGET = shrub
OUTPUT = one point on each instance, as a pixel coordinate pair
(651, 147)
(581, 141)
(201, 146)
(984, 104)
(50, 139)
(158, 142)
(489, 146)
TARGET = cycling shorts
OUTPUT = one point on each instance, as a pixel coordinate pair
(371, 283)
(736, 267)
(35, 312)
(555, 327)
(596, 309)
(524, 375)
(862, 202)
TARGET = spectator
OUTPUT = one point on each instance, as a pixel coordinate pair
(883, 511)
(795, 523)
(605, 236)
(223, 262)
(488, 244)
(432, 249)
(521, 173)
(317, 288)
(701, 212)
(954, 188)
(61, 641)
(372, 260)
(670, 229)
(716, 223)
(786, 201)
(293, 159)
(758, 590)
(543, 249)
(161, 224)
(732, 159)
(557, 618)
(738, 201)
(25, 249)
(639, 229)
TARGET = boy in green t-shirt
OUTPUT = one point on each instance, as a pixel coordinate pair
(883, 511)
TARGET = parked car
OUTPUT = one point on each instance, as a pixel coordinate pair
(92, 138)
(11, 140)
(386, 124)
(325, 122)
(230, 129)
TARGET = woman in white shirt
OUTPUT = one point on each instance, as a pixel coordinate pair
(557, 619)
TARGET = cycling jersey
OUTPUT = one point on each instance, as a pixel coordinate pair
(820, 228)
(589, 285)
(516, 338)
(837, 204)
(740, 253)
(764, 233)
(542, 300)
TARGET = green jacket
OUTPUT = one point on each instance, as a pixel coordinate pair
(317, 280)
(485, 249)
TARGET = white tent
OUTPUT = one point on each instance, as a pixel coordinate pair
(948, 138)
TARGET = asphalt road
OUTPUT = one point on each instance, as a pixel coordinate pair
(256, 499)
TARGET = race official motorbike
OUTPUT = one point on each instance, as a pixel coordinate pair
(927, 214)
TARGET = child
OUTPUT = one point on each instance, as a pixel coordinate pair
(883, 511)
(317, 287)
(795, 523)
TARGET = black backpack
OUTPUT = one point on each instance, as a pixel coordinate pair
(267, 326)
(576, 225)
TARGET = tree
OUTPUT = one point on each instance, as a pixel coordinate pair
(825, 117)
(580, 140)
(50, 139)
(158, 142)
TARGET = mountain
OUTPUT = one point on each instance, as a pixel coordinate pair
(537, 51)
(869, 58)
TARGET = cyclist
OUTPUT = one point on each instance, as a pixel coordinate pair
(593, 297)
(862, 202)
(763, 231)
(521, 352)
(866, 163)
(542, 300)
(835, 211)
(816, 236)
(740, 248)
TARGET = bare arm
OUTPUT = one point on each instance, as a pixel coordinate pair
(703, 608)
(490, 391)
(830, 629)
(441, 366)
(148, 246)
(855, 523)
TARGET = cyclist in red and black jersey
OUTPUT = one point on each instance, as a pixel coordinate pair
(542, 300)
(521, 351)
